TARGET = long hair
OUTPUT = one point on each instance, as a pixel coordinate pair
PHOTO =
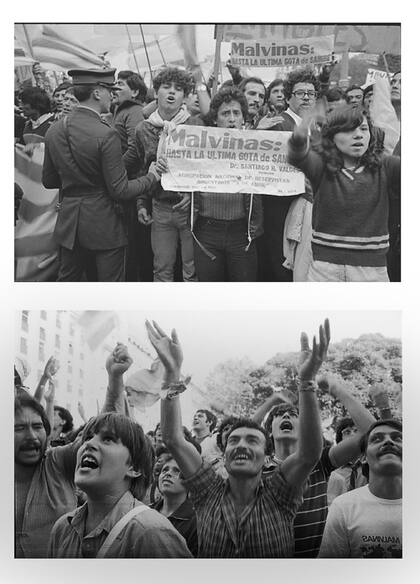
(346, 119)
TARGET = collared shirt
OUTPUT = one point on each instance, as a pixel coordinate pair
(184, 521)
(293, 115)
(264, 528)
(51, 494)
(36, 123)
(147, 535)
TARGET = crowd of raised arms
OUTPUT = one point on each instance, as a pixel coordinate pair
(115, 222)
(270, 486)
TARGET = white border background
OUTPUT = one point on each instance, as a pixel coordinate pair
(267, 297)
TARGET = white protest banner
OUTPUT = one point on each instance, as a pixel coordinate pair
(373, 75)
(282, 53)
(225, 160)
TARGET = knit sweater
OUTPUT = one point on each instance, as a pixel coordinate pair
(350, 213)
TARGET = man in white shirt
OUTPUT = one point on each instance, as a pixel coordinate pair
(367, 522)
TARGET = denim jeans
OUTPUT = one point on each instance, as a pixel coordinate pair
(168, 228)
(326, 272)
(227, 243)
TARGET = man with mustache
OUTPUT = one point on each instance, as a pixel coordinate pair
(367, 522)
(244, 516)
(254, 90)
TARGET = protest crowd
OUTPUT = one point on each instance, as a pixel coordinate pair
(106, 152)
(268, 486)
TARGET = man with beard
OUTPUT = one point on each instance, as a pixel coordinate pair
(244, 516)
(254, 90)
(367, 522)
(44, 479)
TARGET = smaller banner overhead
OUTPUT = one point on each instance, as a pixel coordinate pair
(230, 161)
(282, 53)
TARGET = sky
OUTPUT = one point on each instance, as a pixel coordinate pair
(213, 336)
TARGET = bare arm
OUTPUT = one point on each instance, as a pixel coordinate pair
(117, 364)
(49, 402)
(297, 467)
(51, 368)
(349, 449)
(170, 353)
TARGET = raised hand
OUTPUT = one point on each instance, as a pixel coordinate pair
(119, 360)
(311, 360)
(169, 349)
(50, 393)
(51, 367)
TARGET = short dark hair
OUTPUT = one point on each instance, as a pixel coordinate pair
(37, 98)
(228, 421)
(341, 426)
(134, 81)
(247, 423)
(274, 84)
(257, 80)
(226, 95)
(277, 411)
(24, 400)
(365, 438)
(299, 76)
(63, 86)
(352, 88)
(368, 89)
(210, 418)
(174, 75)
(132, 436)
(66, 416)
(83, 92)
(334, 94)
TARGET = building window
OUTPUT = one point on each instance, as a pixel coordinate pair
(23, 345)
(41, 351)
(25, 320)
(71, 329)
(70, 349)
(58, 320)
(81, 374)
(69, 386)
(42, 334)
(57, 341)
(69, 369)
(43, 315)
(81, 391)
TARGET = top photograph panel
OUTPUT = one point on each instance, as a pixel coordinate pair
(207, 152)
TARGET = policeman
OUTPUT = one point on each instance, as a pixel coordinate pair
(83, 159)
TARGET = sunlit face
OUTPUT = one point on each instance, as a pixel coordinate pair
(348, 432)
(396, 87)
(285, 425)
(276, 97)
(353, 144)
(255, 95)
(384, 451)
(105, 98)
(170, 97)
(69, 103)
(354, 97)
(200, 421)
(30, 437)
(245, 452)
(124, 93)
(170, 479)
(103, 464)
(303, 98)
(192, 103)
(229, 115)
(59, 98)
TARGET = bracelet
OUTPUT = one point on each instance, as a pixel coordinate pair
(307, 386)
(173, 389)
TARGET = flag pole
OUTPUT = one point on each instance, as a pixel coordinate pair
(219, 36)
(160, 51)
(25, 30)
(132, 48)
(147, 54)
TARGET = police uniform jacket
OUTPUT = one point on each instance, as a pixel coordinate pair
(83, 159)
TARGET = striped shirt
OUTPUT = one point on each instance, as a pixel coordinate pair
(263, 530)
(225, 206)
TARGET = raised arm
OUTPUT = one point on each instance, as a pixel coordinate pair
(117, 364)
(275, 399)
(297, 467)
(51, 368)
(169, 351)
(349, 449)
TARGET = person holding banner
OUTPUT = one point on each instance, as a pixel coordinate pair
(352, 186)
(227, 224)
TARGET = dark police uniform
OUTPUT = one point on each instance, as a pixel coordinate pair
(83, 159)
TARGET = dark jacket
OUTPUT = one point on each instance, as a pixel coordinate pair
(126, 117)
(185, 522)
(86, 164)
(142, 152)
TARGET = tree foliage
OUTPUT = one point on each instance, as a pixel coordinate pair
(238, 387)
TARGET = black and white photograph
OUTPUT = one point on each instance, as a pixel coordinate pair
(207, 152)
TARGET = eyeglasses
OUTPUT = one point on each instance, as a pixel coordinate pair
(301, 93)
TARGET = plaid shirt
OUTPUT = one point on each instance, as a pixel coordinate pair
(265, 527)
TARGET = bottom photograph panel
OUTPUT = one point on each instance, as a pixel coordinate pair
(208, 434)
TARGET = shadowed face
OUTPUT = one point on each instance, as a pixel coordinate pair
(30, 437)
(353, 144)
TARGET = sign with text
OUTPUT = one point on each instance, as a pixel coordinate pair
(374, 74)
(225, 160)
(271, 53)
(370, 38)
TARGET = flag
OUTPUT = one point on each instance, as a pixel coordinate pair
(187, 39)
(383, 114)
(36, 253)
(53, 47)
(97, 325)
(144, 386)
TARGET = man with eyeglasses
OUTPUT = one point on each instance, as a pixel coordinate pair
(300, 92)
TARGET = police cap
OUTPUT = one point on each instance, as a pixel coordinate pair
(103, 77)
